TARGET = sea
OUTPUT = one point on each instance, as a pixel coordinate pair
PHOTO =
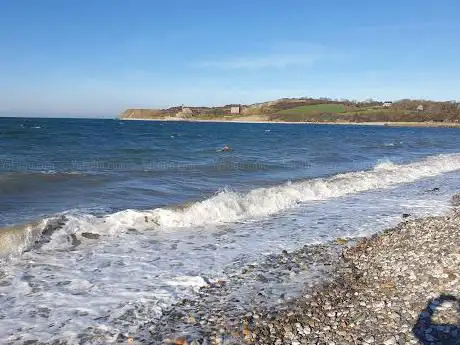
(100, 217)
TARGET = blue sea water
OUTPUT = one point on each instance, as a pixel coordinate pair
(52, 165)
(170, 207)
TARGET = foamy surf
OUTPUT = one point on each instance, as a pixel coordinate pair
(225, 207)
(16, 239)
(229, 206)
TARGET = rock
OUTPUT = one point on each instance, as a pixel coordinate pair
(369, 340)
(262, 278)
(90, 235)
(176, 341)
(406, 215)
(74, 240)
(341, 241)
(30, 342)
(390, 341)
(455, 201)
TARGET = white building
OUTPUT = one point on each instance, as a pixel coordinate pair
(186, 111)
(235, 109)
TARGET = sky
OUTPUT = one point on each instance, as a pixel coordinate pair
(95, 58)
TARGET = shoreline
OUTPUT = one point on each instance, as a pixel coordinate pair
(381, 289)
(255, 121)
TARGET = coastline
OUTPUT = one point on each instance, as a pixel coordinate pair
(248, 120)
(381, 289)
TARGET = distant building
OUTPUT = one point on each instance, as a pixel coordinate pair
(186, 111)
(420, 107)
(236, 109)
(387, 104)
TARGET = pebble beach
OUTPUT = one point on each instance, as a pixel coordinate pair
(399, 286)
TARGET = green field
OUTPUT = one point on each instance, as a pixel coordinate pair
(307, 109)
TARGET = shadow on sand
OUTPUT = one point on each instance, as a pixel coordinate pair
(430, 333)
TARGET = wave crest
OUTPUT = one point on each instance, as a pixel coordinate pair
(230, 206)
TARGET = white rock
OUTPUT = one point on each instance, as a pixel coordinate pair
(390, 341)
(369, 340)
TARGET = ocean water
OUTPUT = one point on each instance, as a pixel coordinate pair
(167, 211)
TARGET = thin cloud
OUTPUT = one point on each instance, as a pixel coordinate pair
(277, 61)
(278, 55)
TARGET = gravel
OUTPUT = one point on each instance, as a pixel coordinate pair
(400, 286)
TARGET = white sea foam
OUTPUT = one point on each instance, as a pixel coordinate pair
(16, 239)
(385, 165)
(229, 206)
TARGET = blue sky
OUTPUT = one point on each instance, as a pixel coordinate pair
(98, 57)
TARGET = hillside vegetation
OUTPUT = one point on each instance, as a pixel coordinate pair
(315, 110)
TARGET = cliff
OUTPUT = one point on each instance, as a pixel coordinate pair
(142, 114)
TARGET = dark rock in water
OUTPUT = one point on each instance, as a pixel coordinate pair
(146, 219)
(455, 201)
(51, 226)
(341, 240)
(90, 235)
(122, 338)
(44, 312)
(74, 240)
(31, 342)
(406, 215)
(262, 278)
(435, 189)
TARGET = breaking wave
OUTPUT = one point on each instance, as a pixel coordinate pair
(224, 207)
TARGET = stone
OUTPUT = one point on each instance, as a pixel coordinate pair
(455, 201)
(390, 341)
(369, 340)
(74, 240)
(90, 235)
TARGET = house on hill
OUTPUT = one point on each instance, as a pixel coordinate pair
(185, 112)
(387, 104)
(235, 109)
(420, 107)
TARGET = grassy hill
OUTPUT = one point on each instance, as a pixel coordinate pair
(314, 110)
(308, 109)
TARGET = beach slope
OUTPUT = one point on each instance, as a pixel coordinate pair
(397, 287)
